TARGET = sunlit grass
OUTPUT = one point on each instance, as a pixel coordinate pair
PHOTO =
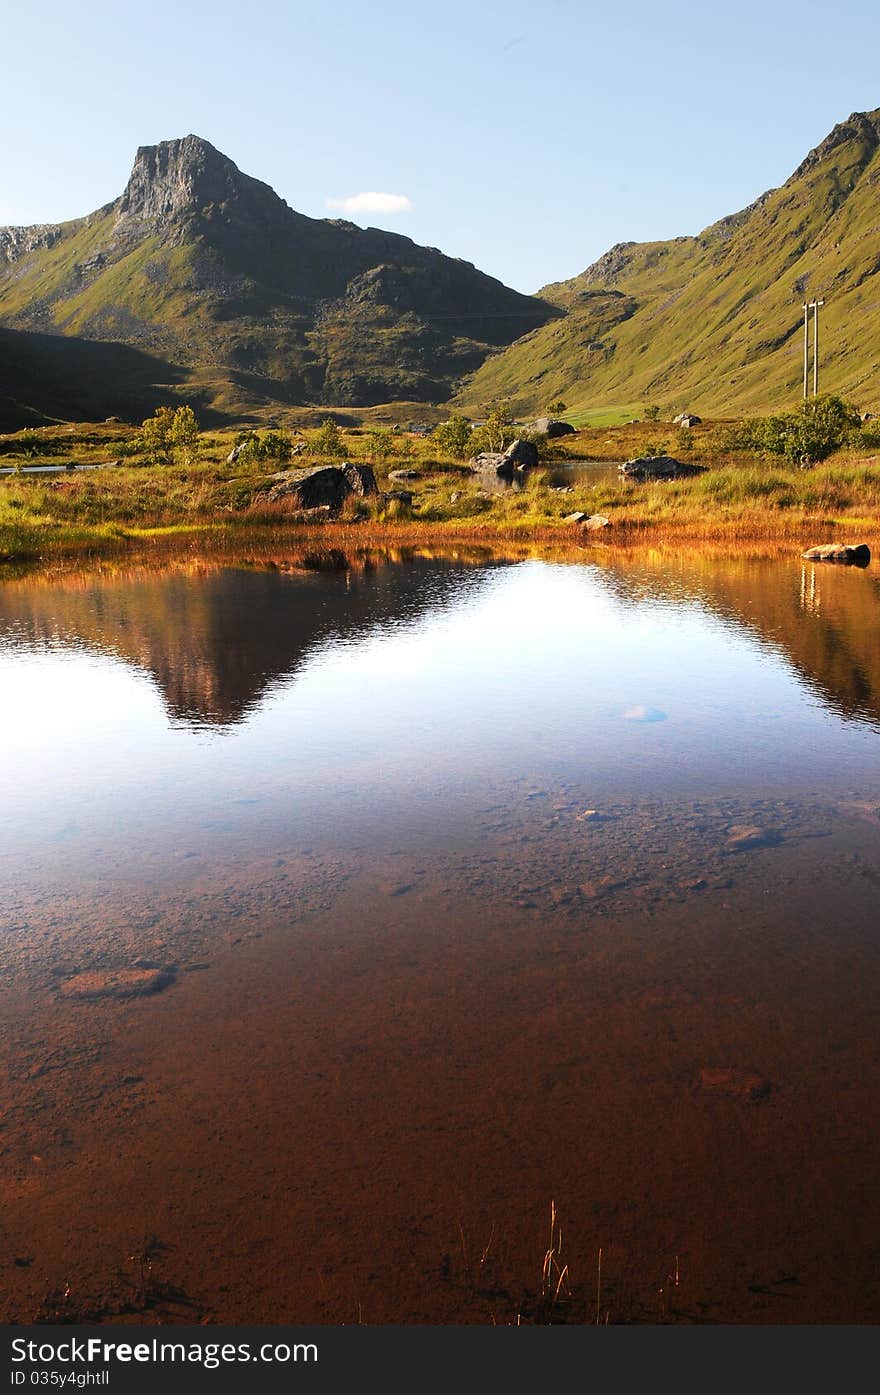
(738, 497)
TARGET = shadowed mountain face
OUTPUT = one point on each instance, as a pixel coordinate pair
(715, 322)
(43, 376)
(216, 639)
(209, 270)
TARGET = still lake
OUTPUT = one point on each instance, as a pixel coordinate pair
(461, 889)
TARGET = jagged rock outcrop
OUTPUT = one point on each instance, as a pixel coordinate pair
(18, 242)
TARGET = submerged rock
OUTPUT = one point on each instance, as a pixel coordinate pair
(857, 556)
(658, 467)
(116, 983)
(736, 1084)
(641, 713)
(743, 836)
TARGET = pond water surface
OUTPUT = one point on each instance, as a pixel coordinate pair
(458, 890)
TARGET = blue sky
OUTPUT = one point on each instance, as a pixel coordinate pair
(527, 137)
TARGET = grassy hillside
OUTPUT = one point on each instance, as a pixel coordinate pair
(211, 273)
(714, 323)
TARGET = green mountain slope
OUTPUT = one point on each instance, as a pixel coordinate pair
(209, 271)
(714, 322)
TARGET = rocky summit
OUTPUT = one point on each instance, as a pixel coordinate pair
(215, 284)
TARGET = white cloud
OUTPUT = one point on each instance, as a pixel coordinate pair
(372, 203)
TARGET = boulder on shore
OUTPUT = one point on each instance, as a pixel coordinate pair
(520, 455)
(322, 486)
(658, 467)
(552, 427)
(360, 480)
(857, 556)
(591, 521)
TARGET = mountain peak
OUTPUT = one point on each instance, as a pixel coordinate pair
(862, 127)
(178, 177)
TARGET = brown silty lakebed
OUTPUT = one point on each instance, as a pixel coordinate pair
(353, 917)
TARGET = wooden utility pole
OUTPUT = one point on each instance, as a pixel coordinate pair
(814, 306)
(806, 347)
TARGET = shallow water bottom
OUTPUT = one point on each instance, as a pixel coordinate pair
(358, 1093)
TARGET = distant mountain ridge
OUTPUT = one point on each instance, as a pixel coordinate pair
(715, 321)
(202, 266)
(220, 293)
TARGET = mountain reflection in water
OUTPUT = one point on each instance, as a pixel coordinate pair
(216, 638)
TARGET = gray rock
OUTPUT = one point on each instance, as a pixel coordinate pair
(520, 455)
(360, 480)
(399, 496)
(593, 521)
(658, 467)
(404, 474)
(318, 487)
(487, 462)
(687, 419)
(552, 427)
(857, 556)
(235, 452)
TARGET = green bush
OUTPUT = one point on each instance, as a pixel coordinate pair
(170, 434)
(327, 440)
(455, 437)
(812, 433)
(381, 444)
(497, 433)
(272, 445)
